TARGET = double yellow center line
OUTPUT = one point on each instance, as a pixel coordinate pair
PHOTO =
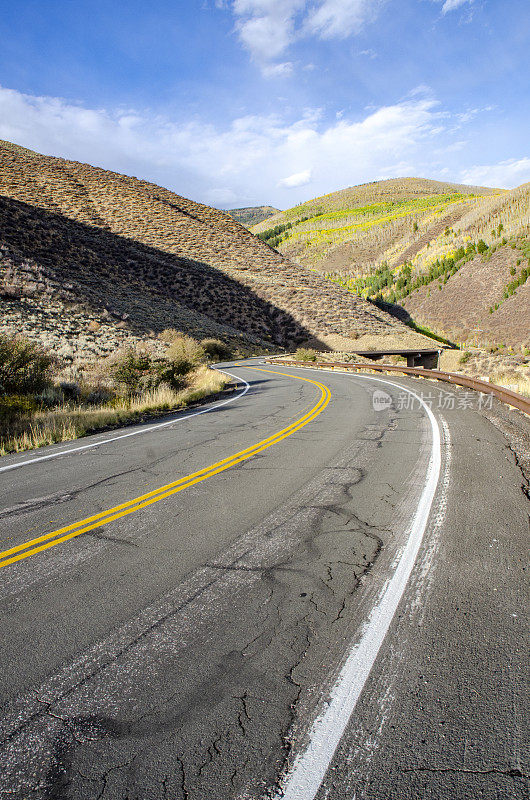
(54, 538)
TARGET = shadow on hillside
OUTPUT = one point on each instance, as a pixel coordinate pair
(403, 315)
(48, 254)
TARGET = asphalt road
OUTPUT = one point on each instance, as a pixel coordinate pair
(187, 610)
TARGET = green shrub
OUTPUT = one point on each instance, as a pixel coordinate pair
(305, 354)
(482, 247)
(50, 397)
(14, 407)
(174, 371)
(99, 396)
(25, 367)
(185, 348)
(131, 369)
(464, 358)
(169, 335)
(216, 350)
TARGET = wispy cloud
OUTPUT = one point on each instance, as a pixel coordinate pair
(505, 174)
(368, 53)
(267, 28)
(298, 179)
(338, 19)
(451, 5)
(253, 159)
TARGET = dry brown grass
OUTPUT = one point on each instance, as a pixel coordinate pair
(67, 423)
(517, 383)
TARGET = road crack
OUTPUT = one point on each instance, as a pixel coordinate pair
(512, 772)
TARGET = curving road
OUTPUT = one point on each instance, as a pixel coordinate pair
(315, 588)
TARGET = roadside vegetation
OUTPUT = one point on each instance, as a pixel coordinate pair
(38, 406)
(499, 364)
(305, 354)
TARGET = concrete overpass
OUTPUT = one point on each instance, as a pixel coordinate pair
(428, 358)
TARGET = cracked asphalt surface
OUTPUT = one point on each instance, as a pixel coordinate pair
(183, 651)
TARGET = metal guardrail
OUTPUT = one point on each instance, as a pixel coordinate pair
(505, 395)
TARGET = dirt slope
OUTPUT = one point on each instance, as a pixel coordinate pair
(464, 309)
(117, 248)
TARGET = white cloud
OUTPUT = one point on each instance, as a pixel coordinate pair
(243, 163)
(268, 27)
(451, 5)
(280, 70)
(340, 18)
(298, 179)
(504, 174)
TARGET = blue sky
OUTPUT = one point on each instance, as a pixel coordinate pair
(244, 102)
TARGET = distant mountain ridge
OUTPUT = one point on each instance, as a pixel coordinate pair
(253, 214)
(87, 252)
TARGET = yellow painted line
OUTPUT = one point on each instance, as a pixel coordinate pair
(53, 538)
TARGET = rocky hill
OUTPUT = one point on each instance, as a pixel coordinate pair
(90, 258)
(252, 215)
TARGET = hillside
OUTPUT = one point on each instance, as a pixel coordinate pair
(353, 230)
(91, 258)
(473, 306)
(252, 215)
(470, 281)
(416, 244)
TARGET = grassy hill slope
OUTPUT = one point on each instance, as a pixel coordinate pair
(469, 281)
(90, 257)
(354, 230)
(454, 257)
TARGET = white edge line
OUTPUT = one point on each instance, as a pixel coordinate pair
(304, 779)
(67, 452)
